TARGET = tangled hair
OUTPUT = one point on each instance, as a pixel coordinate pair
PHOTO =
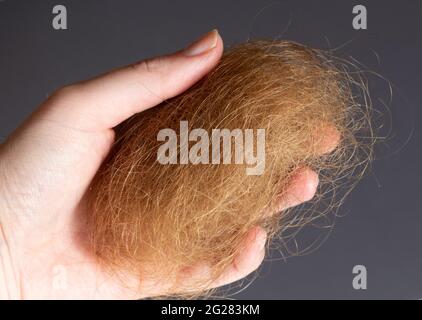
(150, 218)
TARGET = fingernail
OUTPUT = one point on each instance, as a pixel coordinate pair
(207, 42)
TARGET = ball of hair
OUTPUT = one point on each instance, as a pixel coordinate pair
(149, 218)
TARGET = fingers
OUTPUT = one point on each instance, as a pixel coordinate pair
(105, 101)
(304, 182)
(249, 258)
(329, 139)
(302, 188)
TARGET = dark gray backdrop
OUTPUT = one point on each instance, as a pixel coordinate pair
(381, 222)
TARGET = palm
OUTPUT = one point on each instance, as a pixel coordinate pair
(56, 260)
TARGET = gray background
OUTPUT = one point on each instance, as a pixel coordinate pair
(381, 222)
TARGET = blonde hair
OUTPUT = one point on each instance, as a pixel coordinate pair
(149, 218)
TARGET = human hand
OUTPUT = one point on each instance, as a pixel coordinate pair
(47, 165)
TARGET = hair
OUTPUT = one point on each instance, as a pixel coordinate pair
(153, 219)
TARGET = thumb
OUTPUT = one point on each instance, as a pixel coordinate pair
(51, 159)
(105, 101)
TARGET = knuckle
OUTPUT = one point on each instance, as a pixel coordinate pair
(66, 93)
(154, 65)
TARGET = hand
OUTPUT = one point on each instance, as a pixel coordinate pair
(47, 165)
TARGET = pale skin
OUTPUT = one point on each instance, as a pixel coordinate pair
(47, 164)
